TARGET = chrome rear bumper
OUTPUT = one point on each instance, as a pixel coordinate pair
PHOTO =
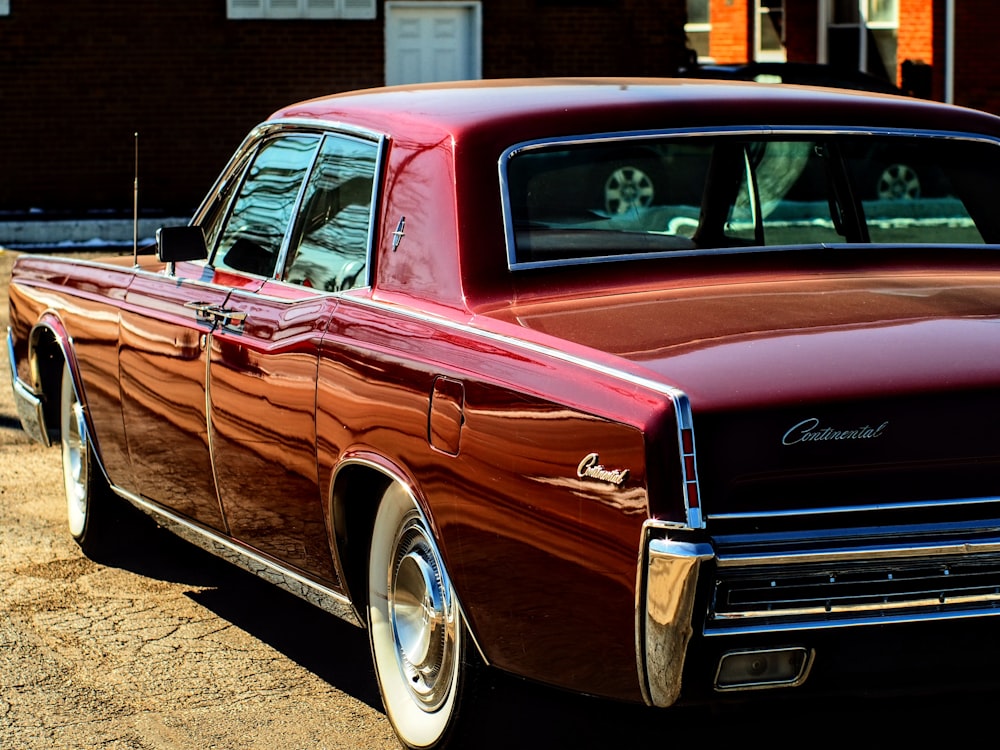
(667, 589)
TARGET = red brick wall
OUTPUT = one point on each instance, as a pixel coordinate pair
(77, 79)
(976, 46)
(731, 39)
(915, 42)
(89, 75)
(801, 24)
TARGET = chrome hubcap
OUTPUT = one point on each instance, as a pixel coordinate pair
(422, 616)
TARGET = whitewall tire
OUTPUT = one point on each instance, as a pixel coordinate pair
(89, 502)
(418, 637)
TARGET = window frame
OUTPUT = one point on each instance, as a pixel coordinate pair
(771, 133)
(219, 200)
(315, 10)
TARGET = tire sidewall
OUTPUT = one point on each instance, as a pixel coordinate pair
(79, 494)
(415, 726)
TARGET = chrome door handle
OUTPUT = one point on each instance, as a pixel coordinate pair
(225, 317)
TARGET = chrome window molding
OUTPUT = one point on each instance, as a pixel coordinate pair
(240, 160)
(644, 135)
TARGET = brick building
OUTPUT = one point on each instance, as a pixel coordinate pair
(78, 80)
(939, 49)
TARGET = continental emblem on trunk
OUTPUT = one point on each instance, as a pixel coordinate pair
(812, 431)
(590, 468)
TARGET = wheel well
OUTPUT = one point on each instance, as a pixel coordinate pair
(355, 501)
(47, 366)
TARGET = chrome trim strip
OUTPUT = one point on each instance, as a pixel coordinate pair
(876, 552)
(232, 551)
(28, 404)
(668, 584)
(325, 126)
(849, 622)
(834, 609)
(852, 509)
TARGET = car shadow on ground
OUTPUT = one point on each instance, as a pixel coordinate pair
(514, 712)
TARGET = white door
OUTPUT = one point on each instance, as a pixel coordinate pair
(429, 41)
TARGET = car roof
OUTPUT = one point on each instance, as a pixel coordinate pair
(524, 109)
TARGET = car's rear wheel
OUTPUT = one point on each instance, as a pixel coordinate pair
(426, 671)
(89, 501)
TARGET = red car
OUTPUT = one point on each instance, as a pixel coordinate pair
(567, 379)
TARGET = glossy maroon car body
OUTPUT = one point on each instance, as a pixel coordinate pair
(542, 416)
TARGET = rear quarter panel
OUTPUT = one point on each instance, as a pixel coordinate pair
(544, 562)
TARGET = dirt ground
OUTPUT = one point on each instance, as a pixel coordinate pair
(164, 647)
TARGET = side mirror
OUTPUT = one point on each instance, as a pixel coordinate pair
(175, 244)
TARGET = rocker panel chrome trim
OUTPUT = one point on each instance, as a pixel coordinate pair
(315, 593)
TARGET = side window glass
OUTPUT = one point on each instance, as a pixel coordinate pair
(252, 238)
(329, 250)
(213, 217)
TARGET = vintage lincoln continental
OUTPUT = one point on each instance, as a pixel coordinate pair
(657, 391)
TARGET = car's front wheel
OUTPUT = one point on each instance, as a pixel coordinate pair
(89, 501)
(426, 670)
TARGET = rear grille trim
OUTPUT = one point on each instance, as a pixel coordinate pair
(854, 585)
(849, 554)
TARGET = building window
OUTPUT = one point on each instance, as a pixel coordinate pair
(769, 30)
(862, 35)
(4, 7)
(300, 9)
(698, 28)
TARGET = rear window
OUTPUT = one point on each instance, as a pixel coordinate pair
(688, 193)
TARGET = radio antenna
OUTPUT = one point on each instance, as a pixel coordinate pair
(135, 205)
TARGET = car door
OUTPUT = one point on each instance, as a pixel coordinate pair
(170, 320)
(264, 361)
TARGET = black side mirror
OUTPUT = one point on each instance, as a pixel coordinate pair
(175, 244)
